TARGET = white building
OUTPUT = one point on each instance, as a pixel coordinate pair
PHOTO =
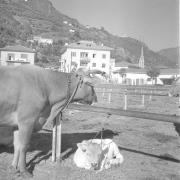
(16, 55)
(135, 76)
(132, 74)
(88, 55)
(71, 30)
(42, 40)
(138, 76)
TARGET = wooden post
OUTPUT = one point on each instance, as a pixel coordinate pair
(125, 99)
(143, 100)
(58, 147)
(109, 98)
(150, 97)
(54, 135)
(56, 139)
(103, 93)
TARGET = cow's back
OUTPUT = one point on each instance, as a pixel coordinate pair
(9, 89)
(19, 86)
(28, 87)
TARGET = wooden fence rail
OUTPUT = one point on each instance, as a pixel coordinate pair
(133, 93)
(128, 113)
(56, 140)
(145, 87)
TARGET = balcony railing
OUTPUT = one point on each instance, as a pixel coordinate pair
(85, 60)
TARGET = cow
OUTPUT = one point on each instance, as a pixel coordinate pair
(30, 96)
(97, 154)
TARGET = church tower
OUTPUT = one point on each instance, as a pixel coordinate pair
(141, 59)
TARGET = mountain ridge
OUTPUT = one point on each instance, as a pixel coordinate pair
(172, 54)
(39, 17)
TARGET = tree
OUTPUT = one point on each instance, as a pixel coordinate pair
(76, 36)
(122, 72)
(153, 73)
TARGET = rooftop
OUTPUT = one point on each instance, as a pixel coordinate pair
(89, 45)
(17, 48)
(169, 71)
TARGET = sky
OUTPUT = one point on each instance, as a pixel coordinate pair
(155, 22)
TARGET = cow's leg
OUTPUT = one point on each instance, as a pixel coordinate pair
(25, 131)
(16, 151)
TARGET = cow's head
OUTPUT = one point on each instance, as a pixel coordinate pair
(85, 93)
(91, 152)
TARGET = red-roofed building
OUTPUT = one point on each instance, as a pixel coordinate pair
(16, 55)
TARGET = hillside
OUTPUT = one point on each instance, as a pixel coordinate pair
(172, 54)
(21, 19)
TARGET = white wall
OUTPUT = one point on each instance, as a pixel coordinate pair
(165, 76)
(46, 41)
(17, 56)
(135, 79)
(131, 78)
(97, 59)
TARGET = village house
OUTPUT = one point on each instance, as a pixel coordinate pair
(130, 73)
(167, 75)
(16, 55)
(136, 74)
(88, 55)
(41, 40)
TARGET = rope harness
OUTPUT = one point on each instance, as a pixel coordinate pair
(69, 95)
(101, 133)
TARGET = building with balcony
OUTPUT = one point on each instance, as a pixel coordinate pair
(16, 55)
(87, 55)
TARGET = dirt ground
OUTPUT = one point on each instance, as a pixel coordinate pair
(151, 149)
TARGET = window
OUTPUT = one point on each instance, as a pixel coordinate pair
(94, 55)
(103, 65)
(93, 64)
(11, 57)
(104, 56)
(88, 45)
(73, 54)
(83, 54)
(24, 56)
(83, 63)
